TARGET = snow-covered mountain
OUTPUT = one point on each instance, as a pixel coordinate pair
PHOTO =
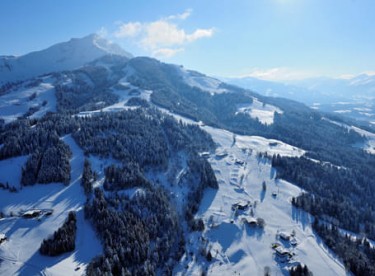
(237, 208)
(356, 87)
(59, 57)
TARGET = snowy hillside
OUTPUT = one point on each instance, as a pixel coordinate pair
(33, 99)
(19, 253)
(202, 82)
(263, 112)
(63, 56)
(369, 145)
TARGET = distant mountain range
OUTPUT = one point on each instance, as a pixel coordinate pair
(353, 97)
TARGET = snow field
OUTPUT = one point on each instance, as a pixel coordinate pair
(258, 110)
(18, 101)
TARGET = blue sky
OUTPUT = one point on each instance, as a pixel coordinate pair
(270, 39)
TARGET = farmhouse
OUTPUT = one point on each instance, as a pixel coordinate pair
(251, 221)
(32, 214)
(239, 162)
(221, 154)
(284, 236)
(205, 154)
(241, 205)
(283, 254)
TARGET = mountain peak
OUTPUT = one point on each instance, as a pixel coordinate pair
(59, 57)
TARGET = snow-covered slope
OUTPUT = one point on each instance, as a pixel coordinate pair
(201, 81)
(263, 112)
(33, 98)
(62, 56)
(19, 254)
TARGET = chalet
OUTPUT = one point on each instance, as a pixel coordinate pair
(241, 205)
(31, 214)
(205, 154)
(239, 162)
(283, 254)
(284, 236)
(221, 154)
(250, 221)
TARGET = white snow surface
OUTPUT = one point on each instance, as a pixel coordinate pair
(19, 255)
(18, 101)
(265, 113)
(10, 170)
(59, 57)
(125, 91)
(205, 83)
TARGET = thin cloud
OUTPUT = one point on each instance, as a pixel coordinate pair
(163, 37)
(130, 29)
(167, 52)
(102, 32)
(163, 33)
(181, 16)
(277, 74)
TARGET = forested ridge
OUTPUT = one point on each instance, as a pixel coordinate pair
(142, 234)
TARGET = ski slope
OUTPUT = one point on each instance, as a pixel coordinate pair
(19, 254)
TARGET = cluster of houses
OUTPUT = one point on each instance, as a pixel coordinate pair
(288, 238)
(282, 253)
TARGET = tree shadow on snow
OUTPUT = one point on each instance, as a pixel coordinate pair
(208, 197)
(301, 217)
(37, 263)
(254, 231)
(262, 195)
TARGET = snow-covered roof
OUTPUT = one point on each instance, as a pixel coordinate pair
(284, 235)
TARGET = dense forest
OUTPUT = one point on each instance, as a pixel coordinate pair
(340, 195)
(357, 254)
(141, 234)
